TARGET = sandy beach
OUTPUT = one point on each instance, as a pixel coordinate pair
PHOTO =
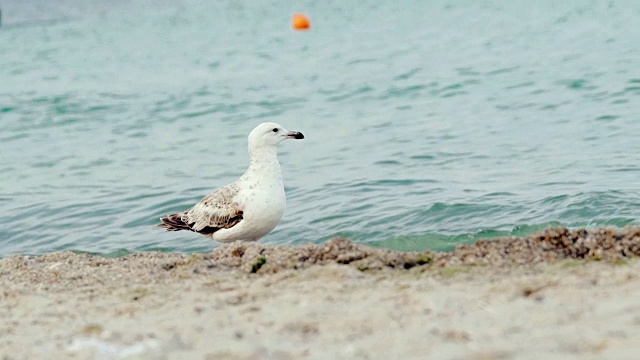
(562, 294)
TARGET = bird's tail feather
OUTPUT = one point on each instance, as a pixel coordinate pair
(173, 222)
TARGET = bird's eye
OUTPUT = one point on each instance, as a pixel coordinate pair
(275, 130)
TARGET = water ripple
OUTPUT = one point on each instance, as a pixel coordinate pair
(417, 136)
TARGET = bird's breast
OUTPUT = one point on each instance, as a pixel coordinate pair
(265, 199)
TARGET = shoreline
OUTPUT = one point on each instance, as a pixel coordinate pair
(561, 293)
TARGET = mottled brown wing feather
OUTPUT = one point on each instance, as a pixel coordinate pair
(229, 223)
(214, 212)
(176, 222)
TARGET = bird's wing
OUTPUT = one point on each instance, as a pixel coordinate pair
(219, 210)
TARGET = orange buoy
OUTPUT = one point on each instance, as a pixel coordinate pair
(300, 22)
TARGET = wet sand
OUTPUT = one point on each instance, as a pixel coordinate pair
(560, 294)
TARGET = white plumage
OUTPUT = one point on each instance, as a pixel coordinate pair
(250, 207)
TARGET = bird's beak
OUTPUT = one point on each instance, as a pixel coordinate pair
(295, 135)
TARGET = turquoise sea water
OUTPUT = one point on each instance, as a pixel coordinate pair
(428, 123)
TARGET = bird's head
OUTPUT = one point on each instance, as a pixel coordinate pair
(271, 134)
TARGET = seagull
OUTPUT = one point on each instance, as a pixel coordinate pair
(248, 208)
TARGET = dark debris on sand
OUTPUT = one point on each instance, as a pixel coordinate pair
(548, 246)
(256, 257)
